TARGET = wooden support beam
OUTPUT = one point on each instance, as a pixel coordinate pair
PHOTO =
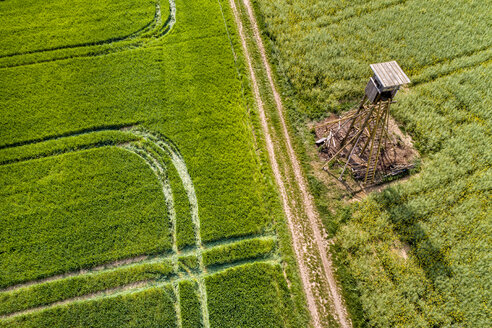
(357, 136)
(353, 120)
(374, 129)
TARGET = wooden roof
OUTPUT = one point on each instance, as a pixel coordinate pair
(390, 74)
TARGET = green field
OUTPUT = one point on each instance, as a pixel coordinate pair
(133, 189)
(417, 254)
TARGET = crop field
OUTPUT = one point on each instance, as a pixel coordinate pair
(134, 191)
(418, 253)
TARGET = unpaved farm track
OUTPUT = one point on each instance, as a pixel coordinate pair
(310, 276)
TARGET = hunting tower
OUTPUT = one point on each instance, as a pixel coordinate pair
(360, 138)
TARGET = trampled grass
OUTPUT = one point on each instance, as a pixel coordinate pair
(417, 254)
(111, 149)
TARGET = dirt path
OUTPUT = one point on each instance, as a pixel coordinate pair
(299, 239)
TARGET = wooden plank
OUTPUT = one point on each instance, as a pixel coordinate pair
(376, 72)
(392, 70)
(394, 81)
(397, 71)
(380, 74)
(401, 74)
(389, 77)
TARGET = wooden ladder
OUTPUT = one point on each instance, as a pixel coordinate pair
(373, 157)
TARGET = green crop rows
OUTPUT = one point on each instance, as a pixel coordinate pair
(132, 188)
(417, 254)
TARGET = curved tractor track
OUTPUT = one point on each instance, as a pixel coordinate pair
(153, 149)
(148, 34)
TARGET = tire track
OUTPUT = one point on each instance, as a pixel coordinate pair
(150, 148)
(148, 27)
(276, 170)
(145, 284)
(145, 259)
(349, 13)
(158, 166)
(130, 289)
(431, 73)
(177, 303)
(180, 166)
(108, 292)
